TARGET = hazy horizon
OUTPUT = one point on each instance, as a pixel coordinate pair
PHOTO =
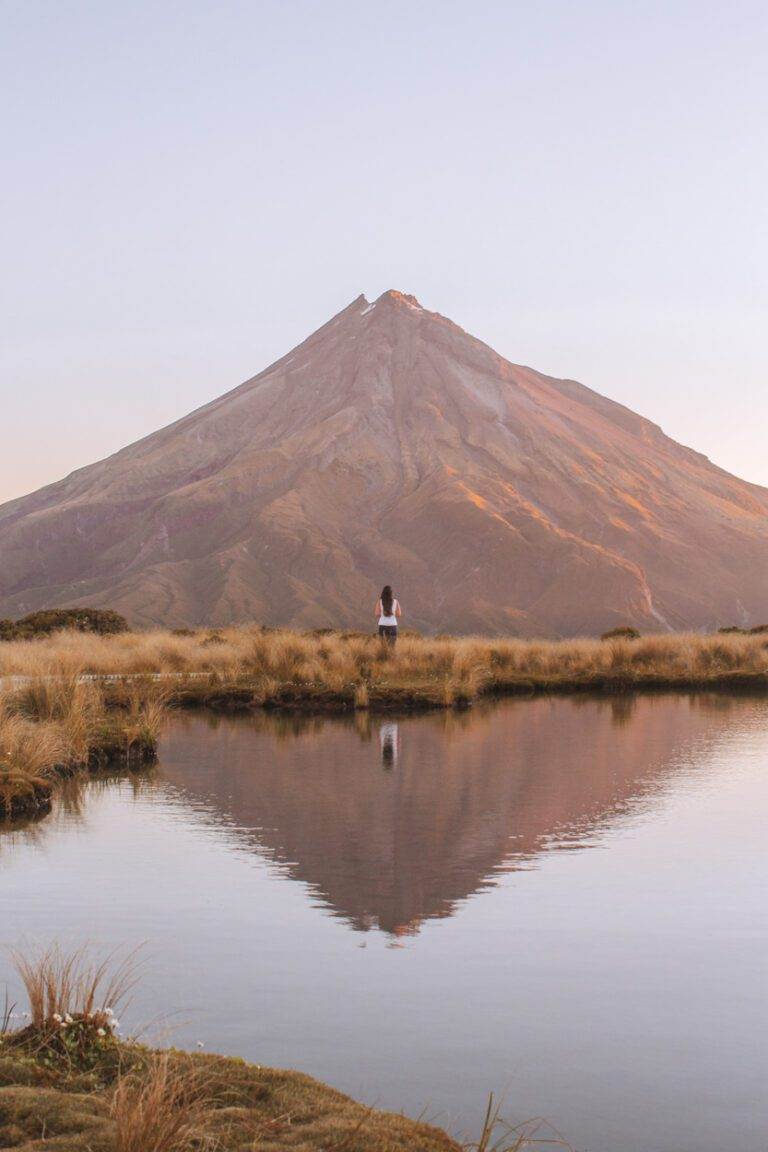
(194, 189)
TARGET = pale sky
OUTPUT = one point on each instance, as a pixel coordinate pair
(190, 188)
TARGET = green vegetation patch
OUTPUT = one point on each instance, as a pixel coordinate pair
(623, 632)
(101, 621)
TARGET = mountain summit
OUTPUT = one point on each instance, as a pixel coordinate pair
(391, 446)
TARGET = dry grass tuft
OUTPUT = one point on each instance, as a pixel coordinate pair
(74, 705)
(159, 1106)
(29, 754)
(31, 748)
(53, 725)
(75, 985)
(499, 1136)
(143, 719)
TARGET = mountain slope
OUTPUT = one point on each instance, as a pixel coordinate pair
(392, 446)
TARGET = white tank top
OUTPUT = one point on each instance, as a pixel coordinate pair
(389, 621)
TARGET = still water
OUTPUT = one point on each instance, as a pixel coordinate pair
(560, 900)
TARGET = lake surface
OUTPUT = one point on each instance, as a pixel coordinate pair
(562, 900)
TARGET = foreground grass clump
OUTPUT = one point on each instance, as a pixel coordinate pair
(73, 1005)
(255, 667)
(180, 1103)
(28, 754)
(160, 1104)
(55, 726)
(68, 1083)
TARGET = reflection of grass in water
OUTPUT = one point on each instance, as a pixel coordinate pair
(73, 793)
(278, 724)
(70, 801)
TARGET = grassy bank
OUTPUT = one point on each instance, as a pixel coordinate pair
(68, 1083)
(54, 728)
(251, 667)
(233, 1107)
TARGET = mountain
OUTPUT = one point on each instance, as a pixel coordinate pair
(392, 446)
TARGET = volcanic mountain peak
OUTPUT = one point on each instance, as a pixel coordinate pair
(392, 446)
(392, 296)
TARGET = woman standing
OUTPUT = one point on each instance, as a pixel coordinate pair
(388, 610)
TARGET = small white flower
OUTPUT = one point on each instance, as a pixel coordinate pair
(100, 1032)
(108, 1012)
(68, 1019)
(200, 1044)
(57, 1018)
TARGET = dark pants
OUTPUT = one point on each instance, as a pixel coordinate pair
(388, 632)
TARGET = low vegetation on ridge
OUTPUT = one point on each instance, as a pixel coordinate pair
(42, 623)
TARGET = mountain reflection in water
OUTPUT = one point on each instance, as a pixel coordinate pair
(390, 822)
(571, 891)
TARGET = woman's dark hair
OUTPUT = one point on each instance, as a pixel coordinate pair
(387, 600)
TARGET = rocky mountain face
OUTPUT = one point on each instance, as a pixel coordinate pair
(391, 446)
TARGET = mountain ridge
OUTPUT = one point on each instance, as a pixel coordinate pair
(390, 444)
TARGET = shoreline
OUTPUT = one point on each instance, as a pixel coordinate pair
(207, 690)
(75, 702)
(54, 730)
(109, 755)
(303, 701)
(234, 1104)
(113, 753)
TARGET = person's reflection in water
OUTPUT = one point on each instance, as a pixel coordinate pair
(389, 741)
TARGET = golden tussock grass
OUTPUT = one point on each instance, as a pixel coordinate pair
(53, 726)
(160, 1106)
(75, 984)
(293, 667)
(29, 753)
